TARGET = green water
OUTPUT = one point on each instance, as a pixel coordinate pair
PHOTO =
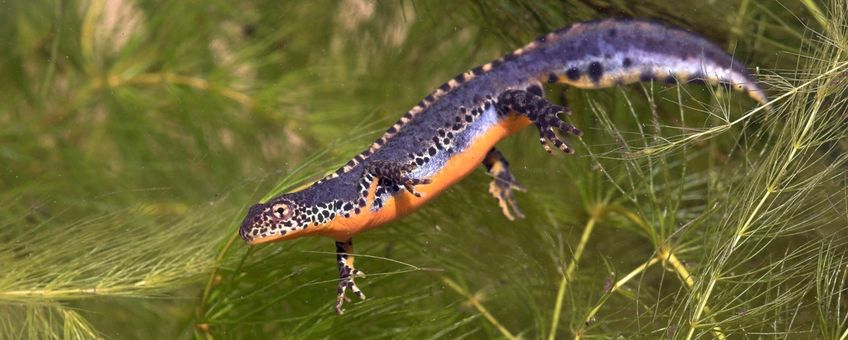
(135, 134)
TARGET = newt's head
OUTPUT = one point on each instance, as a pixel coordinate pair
(273, 220)
(289, 216)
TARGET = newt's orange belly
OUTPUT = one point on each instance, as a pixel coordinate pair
(403, 203)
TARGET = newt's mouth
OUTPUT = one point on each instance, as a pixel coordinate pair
(260, 240)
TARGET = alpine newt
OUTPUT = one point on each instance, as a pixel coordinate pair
(455, 128)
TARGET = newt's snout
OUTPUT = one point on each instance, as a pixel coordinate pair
(252, 222)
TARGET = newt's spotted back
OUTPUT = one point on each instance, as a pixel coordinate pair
(454, 129)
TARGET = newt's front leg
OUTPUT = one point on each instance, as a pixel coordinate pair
(397, 173)
(542, 113)
(344, 258)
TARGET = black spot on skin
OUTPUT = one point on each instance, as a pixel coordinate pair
(429, 98)
(509, 57)
(432, 151)
(612, 33)
(646, 76)
(670, 80)
(552, 78)
(535, 90)
(469, 119)
(422, 104)
(627, 62)
(407, 115)
(477, 70)
(497, 63)
(573, 73)
(419, 161)
(392, 129)
(596, 71)
(357, 211)
(445, 87)
(462, 110)
(460, 78)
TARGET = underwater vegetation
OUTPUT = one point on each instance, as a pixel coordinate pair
(134, 136)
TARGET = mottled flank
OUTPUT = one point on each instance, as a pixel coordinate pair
(454, 129)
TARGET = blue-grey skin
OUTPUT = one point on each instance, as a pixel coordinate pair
(587, 55)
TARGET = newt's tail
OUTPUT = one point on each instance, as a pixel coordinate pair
(603, 53)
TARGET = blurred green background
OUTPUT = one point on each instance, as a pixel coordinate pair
(134, 134)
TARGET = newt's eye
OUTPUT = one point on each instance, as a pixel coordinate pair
(281, 211)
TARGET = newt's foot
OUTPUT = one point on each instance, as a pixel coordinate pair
(345, 284)
(501, 189)
(503, 183)
(549, 124)
(542, 113)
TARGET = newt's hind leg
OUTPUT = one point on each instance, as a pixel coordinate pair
(344, 258)
(397, 173)
(542, 113)
(503, 183)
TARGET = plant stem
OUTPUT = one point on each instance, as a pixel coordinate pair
(818, 14)
(54, 48)
(618, 284)
(87, 35)
(208, 288)
(176, 79)
(568, 275)
(479, 306)
(70, 293)
(667, 256)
